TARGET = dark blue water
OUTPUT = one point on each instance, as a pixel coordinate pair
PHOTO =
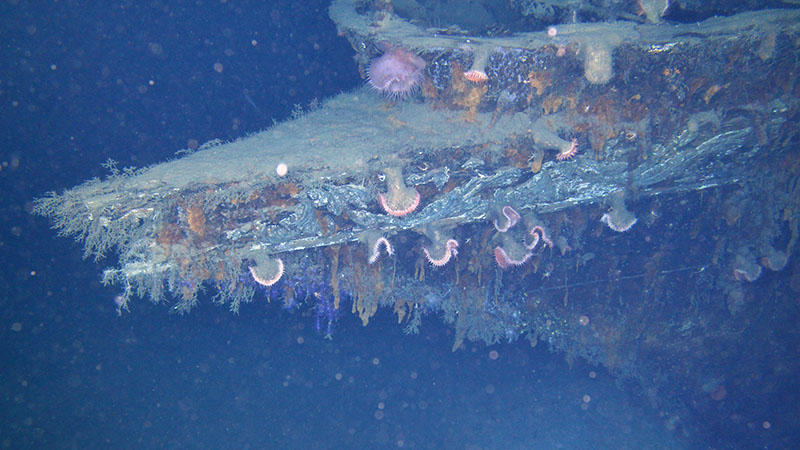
(135, 81)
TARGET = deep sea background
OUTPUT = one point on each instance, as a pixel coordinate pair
(135, 81)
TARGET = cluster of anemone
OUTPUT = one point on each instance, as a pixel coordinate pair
(516, 250)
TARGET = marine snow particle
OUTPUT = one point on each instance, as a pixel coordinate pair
(282, 169)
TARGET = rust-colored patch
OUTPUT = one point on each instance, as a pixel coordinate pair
(635, 109)
(606, 119)
(766, 48)
(539, 82)
(551, 104)
(287, 189)
(471, 101)
(428, 89)
(465, 94)
(400, 308)
(451, 184)
(397, 122)
(169, 234)
(518, 158)
(536, 160)
(220, 275)
(572, 102)
(196, 219)
(368, 288)
(695, 84)
(322, 220)
(280, 195)
(710, 92)
(187, 292)
(334, 255)
(288, 296)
